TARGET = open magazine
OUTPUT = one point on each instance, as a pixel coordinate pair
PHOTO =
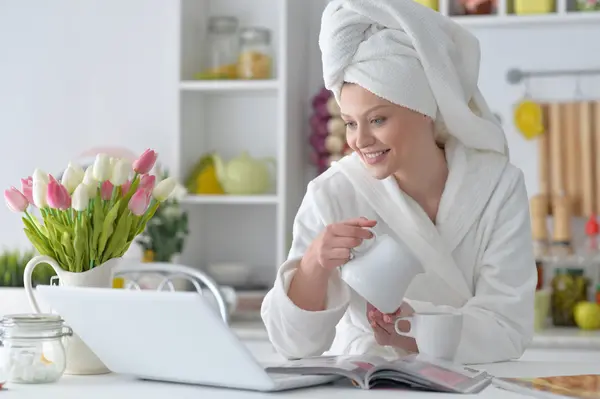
(411, 371)
(574, 386)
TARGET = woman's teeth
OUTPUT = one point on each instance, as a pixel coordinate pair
(374, 154)
(375, 157)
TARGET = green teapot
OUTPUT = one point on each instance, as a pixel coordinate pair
(244, 174)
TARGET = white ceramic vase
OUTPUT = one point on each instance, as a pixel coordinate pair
(80, 359)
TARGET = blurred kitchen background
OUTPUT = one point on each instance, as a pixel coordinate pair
(231, 90)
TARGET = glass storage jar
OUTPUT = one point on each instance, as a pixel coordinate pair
(569, 286)
(223, 48)
(255, 60)
(34, 351)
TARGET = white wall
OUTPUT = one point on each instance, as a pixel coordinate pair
(74, 75)
(79, 74)
(537, 47)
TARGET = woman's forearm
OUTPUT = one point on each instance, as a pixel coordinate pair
(308, 288)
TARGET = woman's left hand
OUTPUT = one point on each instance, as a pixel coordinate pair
(384, 330)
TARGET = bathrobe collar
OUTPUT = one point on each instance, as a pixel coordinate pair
(472, 178)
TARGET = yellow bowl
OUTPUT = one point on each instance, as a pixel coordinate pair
(534, 6)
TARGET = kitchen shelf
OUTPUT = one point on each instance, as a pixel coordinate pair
(565, 13)
(527, 20)
(566, 338)
(262, 118)
(230, 85)
(231, 199)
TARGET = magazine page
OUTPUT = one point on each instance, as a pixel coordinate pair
(355, 368)
(431, 374)
(575, 386)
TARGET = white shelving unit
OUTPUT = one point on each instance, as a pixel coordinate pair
(565, 12)
(263, 117)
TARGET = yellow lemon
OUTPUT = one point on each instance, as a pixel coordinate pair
(529, 119)
(587, 315)
(207, 181)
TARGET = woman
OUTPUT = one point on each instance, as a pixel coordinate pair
(430, 165)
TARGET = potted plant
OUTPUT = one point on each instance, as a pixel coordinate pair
(84, 225)
(12, 292)
(165, 233)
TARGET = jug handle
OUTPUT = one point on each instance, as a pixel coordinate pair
(365, 245)
(27, 274)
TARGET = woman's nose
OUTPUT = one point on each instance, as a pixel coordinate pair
(364, 138)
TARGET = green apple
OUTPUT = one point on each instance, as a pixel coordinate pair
(587, 315)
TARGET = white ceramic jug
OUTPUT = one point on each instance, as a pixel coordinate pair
(381, 269)
(80, 359)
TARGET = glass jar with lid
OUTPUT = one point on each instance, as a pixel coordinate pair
(34, 351)
(569, 287)
(256, 60)
(222, 48)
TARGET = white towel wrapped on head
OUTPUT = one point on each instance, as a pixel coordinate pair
(412, 56)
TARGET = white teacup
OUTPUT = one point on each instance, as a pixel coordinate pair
(437, 334)
(380, 270)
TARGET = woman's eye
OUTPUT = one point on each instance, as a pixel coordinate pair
(378, 121)
(350, 125)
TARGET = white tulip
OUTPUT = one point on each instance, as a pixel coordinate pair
(120, 172)
(88, 176)
(72, 176)
(92, 189)
(163, 190)
(39, 193)
(102, 169)
(40, 175)
(81, 197)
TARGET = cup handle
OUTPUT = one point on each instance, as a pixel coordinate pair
(27, 274)
(410, 332)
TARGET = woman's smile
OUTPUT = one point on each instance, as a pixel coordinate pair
(375, 157)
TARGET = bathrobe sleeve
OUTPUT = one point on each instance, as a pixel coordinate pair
(498, 320)
(294, 332)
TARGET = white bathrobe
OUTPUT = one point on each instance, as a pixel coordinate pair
(478, 256)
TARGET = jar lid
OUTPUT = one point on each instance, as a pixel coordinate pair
(569, 271)
(223, 24)
(255, 35)
(23, 325)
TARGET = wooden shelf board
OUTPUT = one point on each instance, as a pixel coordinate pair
(229, 85)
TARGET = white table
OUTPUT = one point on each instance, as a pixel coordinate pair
(112, 386)
(580, 353)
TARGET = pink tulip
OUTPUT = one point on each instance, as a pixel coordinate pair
(125, 187)
(27, 188)
(15, 200)
(58, 196)
(106, 190)
(145, 162)
(147, 182)
(139, 202)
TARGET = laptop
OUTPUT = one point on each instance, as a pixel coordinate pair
(165, 336)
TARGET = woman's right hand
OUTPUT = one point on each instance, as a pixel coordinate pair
(332, 247)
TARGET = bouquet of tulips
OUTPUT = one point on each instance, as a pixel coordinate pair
(90, 216)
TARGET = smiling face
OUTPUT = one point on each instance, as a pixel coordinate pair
(387, 136)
